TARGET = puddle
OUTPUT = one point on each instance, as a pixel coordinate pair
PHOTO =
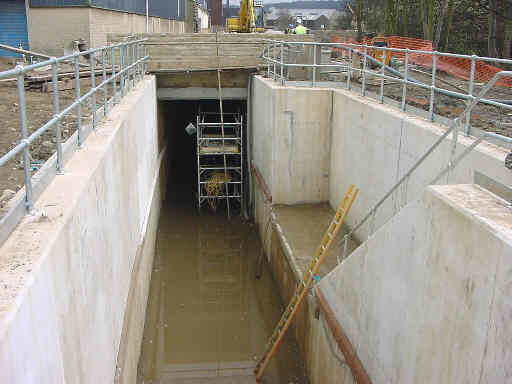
(208, 317)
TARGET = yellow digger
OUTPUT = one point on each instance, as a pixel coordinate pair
(250, 18)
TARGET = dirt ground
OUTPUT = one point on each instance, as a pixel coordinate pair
(39, 111)
(485, 117)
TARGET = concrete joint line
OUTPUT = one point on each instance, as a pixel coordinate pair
(152, 195)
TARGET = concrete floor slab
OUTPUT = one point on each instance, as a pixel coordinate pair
(301, 227)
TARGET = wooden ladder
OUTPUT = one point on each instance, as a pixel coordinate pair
(306, 283)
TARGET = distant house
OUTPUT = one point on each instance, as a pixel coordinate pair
(311, 18)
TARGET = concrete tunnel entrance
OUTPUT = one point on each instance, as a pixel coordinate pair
(208, 318)
(182, 156)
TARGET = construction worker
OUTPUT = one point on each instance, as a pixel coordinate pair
(300, 29)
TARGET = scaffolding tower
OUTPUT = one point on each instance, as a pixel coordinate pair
(219, 159)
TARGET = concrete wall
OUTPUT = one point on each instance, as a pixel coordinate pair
(67, 270)
(427, 298)
(371, 146)
(367, 144)
(103, 22)
(374, 145)
(291, 141)
(52, 29)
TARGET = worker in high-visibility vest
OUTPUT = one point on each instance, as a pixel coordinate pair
(300, 29)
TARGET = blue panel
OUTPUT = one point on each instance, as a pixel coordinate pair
(13, 25)
(161, 8)
(58, 3)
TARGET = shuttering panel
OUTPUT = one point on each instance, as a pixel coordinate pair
(13, 25)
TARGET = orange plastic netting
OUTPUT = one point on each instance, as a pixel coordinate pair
(458, 67)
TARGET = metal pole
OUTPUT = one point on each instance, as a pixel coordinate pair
(268, 65)
(79, 106)
(349, 67)
(121, 67)
(314, 63)
(93, 86)
(382, 84)
(363, 88)
(114, 80)
(470, 93)
(282, 60)
(147, 14)
(274, 56)
(345, 247)
(433, 86)
(404, 91)
(24, 134)
(139, 65)
(103, 54)
(58, 134)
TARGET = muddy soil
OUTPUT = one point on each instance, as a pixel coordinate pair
(484, 117)
(39, 111)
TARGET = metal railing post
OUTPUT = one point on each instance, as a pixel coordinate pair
(363, 88)
(121, 67)
(58, 134)
(314, 64)
(268, 61)
(282, 62)
(404, 91)
(139, 71)
(274, 56)
(349, 67)
(467, 126)
(132, 70)
(114, 80)
(382, 84)
(24, 135)
(93, 86)
(433, 86)
(79, 106)
(104, 70)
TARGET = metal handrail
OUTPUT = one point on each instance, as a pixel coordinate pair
(130, 69)
(404, 79)
(449, 167)
(270, 56)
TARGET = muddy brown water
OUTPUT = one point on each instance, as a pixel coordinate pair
(208, 317)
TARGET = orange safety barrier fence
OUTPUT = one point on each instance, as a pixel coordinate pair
(458, 67)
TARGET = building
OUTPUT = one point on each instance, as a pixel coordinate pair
(13, 25)
(49, 26)
(310, 18)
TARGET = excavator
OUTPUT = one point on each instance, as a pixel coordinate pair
(250, 18)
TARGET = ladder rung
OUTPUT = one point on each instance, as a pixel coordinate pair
(304, 285)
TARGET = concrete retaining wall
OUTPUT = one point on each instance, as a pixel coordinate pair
(374, 145)
(371, 146)
(427, 298)
(368, 144)
(67, 271)
(291, 141)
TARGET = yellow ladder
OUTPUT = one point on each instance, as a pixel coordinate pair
(306, 283)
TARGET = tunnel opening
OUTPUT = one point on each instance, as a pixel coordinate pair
(217, 175)
(208, 317)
